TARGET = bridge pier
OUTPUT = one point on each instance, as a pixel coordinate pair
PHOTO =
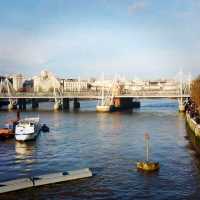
(181, 105)
(125, 103)
(22, 104)
(136, 103)
(57, 105)
(35, 104)
(12, 104)
(76, 103)
(65, 104)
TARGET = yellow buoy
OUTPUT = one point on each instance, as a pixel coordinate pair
(147, 165)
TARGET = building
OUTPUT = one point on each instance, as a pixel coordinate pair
(45, 82)
(2, 78)
(28, 86)
(17, 81)
(72, 85)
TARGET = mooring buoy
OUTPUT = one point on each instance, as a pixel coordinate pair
(147, 165)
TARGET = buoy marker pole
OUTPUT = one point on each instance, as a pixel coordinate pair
(146, 137)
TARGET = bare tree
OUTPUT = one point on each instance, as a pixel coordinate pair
(195, 92)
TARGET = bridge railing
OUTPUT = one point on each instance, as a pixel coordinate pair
(90, 93)
(51, 94)
(151, 93)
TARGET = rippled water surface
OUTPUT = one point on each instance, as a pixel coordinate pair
(110, 144)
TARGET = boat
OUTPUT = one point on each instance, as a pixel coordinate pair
(147, 165)
(6, 133)
(104, 103)
(102, 108)
(44, 128)
(27, 129)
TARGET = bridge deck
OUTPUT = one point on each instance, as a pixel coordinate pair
(93, 95)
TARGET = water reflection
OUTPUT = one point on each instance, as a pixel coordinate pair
(116, 122)
(102, 119)
(24, 152)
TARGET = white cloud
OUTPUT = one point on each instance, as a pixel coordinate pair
(25, 51)
(137, 6)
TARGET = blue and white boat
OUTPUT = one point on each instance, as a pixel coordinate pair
(27, 129)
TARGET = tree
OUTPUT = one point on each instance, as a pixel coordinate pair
(195, 92)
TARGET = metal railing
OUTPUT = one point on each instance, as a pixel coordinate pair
(51, 94)
(93, 94)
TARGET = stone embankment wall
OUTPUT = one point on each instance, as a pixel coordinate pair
(194, 126)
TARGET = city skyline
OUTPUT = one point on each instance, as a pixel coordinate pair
(144, 38)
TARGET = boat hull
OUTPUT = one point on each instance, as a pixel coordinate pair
(24, 133)
(103, 108)
(25, 136)
(6, 133)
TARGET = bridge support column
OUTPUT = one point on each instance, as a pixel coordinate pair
(12, 104)
(125, 103)
(136, 103)
(22, 104)
(57, 104)
(35, 103)
(76, 103)
(181, 105)
(65, 104)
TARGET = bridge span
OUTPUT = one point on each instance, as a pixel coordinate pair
(117, 92)
(92, 95)
(123, 100)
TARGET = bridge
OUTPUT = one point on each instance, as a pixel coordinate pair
(95, 95)
(63, 99)
(116, 94)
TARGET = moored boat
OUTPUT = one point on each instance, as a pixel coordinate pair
(6, 133)
(44, 128)
(9, 130)
(27, 129)
(102, 108)
(104, 104)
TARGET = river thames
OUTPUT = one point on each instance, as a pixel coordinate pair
(110, 144)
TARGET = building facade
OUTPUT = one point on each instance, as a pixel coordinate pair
(45, 82)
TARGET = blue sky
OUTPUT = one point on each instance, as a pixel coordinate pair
(143, 38)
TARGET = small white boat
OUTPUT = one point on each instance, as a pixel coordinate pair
(104, 104)
(102, 108)
(27, 129)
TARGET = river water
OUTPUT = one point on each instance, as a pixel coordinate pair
(110, 144)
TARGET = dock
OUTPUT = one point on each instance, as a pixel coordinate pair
(30, 182)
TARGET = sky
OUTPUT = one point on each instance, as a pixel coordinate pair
(72, 38)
